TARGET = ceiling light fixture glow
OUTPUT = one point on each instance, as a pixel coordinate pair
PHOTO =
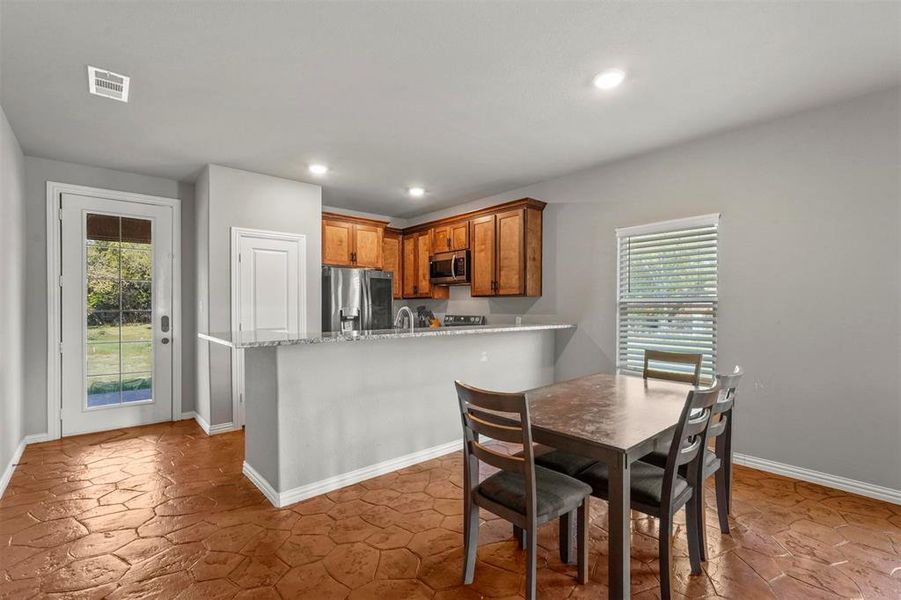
(609, 79)
(317, 169)
(416, 192)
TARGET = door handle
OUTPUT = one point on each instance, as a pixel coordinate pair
(164, 323)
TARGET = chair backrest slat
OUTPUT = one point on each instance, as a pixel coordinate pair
(502, 433)
(504, 462)
(690, 359)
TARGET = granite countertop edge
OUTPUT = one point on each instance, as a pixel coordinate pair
(382, 335)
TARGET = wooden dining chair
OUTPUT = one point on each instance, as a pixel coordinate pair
(689, 359)
(717, 461)
(662, 492)
(523, 494)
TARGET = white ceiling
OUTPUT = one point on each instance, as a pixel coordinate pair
(466, 99)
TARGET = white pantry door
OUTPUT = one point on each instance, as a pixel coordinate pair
(269, 282)
(116, 307)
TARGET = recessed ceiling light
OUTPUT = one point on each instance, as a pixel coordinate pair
(317, 169)
(416, 192)
(609, 79)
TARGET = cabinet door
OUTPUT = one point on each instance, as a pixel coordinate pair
(459, 236)
(441, 241)
(423, 251)
(483, 252)
(337, 243)
(392, 260)
(368, 246)
(408, 270)
(511, 256)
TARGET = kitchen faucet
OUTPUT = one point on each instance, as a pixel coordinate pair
(398, 321)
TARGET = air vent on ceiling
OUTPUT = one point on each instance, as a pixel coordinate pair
(108, 84)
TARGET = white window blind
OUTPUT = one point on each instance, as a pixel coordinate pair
(667, 292)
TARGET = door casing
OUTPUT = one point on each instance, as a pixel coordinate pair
(54, 317)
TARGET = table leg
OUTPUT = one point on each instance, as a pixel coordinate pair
(620, 529)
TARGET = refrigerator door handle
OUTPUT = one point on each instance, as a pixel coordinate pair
(366, 303)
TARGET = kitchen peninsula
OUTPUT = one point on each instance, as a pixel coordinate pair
(329, 410)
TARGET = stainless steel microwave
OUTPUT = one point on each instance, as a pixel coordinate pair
(450, 268)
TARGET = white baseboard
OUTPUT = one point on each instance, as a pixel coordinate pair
(281, 499)
(861, 488)
(262, 485)
(188, 415)
(37, 438)
(8, 471)
(202, 422)
(213, 429)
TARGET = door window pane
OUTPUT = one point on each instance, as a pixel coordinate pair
(119, 347)
(136, 357)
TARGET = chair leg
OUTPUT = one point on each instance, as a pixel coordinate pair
(532, 563)
(722, 499)
(666, 556)
(583, 541)
(700, 510)
(520, 536)
(692, 525)
(566, 535)
(470, 542)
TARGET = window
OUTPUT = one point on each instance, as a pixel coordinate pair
(667, 291)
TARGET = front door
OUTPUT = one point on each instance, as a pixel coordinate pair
(117, 265)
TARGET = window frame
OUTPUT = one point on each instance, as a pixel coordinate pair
(671, 225)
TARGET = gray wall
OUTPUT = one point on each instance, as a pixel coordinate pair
(809, 274)
(38, 171)
(12, 291)
(243, 199)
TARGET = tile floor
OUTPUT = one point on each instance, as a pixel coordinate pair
(164, 512)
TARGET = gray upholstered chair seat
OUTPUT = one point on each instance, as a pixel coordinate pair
(711, 462)
(564, 462)
(556, 493)
(647, 482)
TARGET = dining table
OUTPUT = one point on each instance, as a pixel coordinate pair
(616, 419)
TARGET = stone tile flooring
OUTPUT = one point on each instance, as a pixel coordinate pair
(164, 512)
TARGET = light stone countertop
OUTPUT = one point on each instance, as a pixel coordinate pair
(262, 339)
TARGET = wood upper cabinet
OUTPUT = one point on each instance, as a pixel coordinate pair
(506, 253)
(459, 235)
(450, 237)
(505, 244)
(483, 255)
(337, 242)
(352, 241)
(368, 246)
(416, 253)
(392, 259)
(409, 266)
(511, 274)
(441, 241)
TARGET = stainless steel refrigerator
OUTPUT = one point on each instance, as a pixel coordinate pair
(355, 299)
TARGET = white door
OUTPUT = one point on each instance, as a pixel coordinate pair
(268, 294)
(116, 311)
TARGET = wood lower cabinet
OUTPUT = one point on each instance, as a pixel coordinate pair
(417, 249)
(392, 260)
(352, 241)
(506, 253)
